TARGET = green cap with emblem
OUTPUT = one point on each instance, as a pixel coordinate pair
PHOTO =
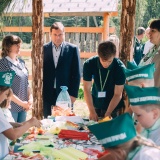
(144, 72)
(131, 65)
(142, 96)
(6, 78)
(115, 131)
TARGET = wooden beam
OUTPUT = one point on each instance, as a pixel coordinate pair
(114, 14)
(27, 53)
(59, 14)
(105, 26)
(47, 29)
(87, 55)
(67, 29)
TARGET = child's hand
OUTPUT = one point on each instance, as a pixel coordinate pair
(35, 122)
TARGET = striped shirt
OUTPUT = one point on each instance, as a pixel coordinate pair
(20, 82)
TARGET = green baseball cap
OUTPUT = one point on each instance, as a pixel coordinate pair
(144, 72)
(114, 132)
(131, 65)
(6, 78)
(142, 96)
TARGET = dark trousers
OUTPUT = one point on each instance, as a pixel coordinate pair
(47, 105)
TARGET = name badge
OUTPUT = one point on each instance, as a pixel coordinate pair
(24, 71)
(137, 48)
(101, 94)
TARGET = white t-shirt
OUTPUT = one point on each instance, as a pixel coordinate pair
(148, 45)
(8, 115)
(4, 125)
(147, 153)
(153, 133)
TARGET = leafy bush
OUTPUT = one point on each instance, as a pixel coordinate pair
(80, 93)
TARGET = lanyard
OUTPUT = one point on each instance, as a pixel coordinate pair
(102, 87)
(149, 57)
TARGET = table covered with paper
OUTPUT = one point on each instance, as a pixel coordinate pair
(65, 138)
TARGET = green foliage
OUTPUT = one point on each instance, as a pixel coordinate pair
(145, 11)
(80, 93)
(4, 4)
(141, 6)
(18, 21)
(152, 11)
(73, 21)
(115, 21)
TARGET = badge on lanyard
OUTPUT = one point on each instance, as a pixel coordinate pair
(101, 94)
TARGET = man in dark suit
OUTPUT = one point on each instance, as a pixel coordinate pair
(61, 67)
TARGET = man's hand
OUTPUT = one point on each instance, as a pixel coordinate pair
(93, 116)
(108, 114)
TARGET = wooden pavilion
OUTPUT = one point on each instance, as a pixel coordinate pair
(40, 9)
(87, 38)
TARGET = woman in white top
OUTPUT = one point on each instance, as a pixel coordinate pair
(22, 97)
(153, 56)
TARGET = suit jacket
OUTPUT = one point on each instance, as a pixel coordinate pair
(67, 72)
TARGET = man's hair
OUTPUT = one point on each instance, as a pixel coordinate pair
(56, 26)
(155, 24)
(140, 30)
(106, 50)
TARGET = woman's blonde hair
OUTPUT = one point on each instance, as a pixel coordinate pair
(149, 107)
(7, 42)
(121, 152)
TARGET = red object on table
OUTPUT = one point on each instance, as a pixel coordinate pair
(100, 154)
(71, 134)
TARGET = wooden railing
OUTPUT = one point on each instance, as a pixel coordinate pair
(86, 38)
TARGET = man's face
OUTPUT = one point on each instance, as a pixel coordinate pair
(106, 63)
(57, 36)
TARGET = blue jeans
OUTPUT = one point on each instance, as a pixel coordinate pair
(19, 116)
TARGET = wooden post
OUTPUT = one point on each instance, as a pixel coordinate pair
(105, 26)
(127, 34)
(127, 29)
(37, 56)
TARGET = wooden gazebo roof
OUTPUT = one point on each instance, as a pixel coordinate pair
(65, 7)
